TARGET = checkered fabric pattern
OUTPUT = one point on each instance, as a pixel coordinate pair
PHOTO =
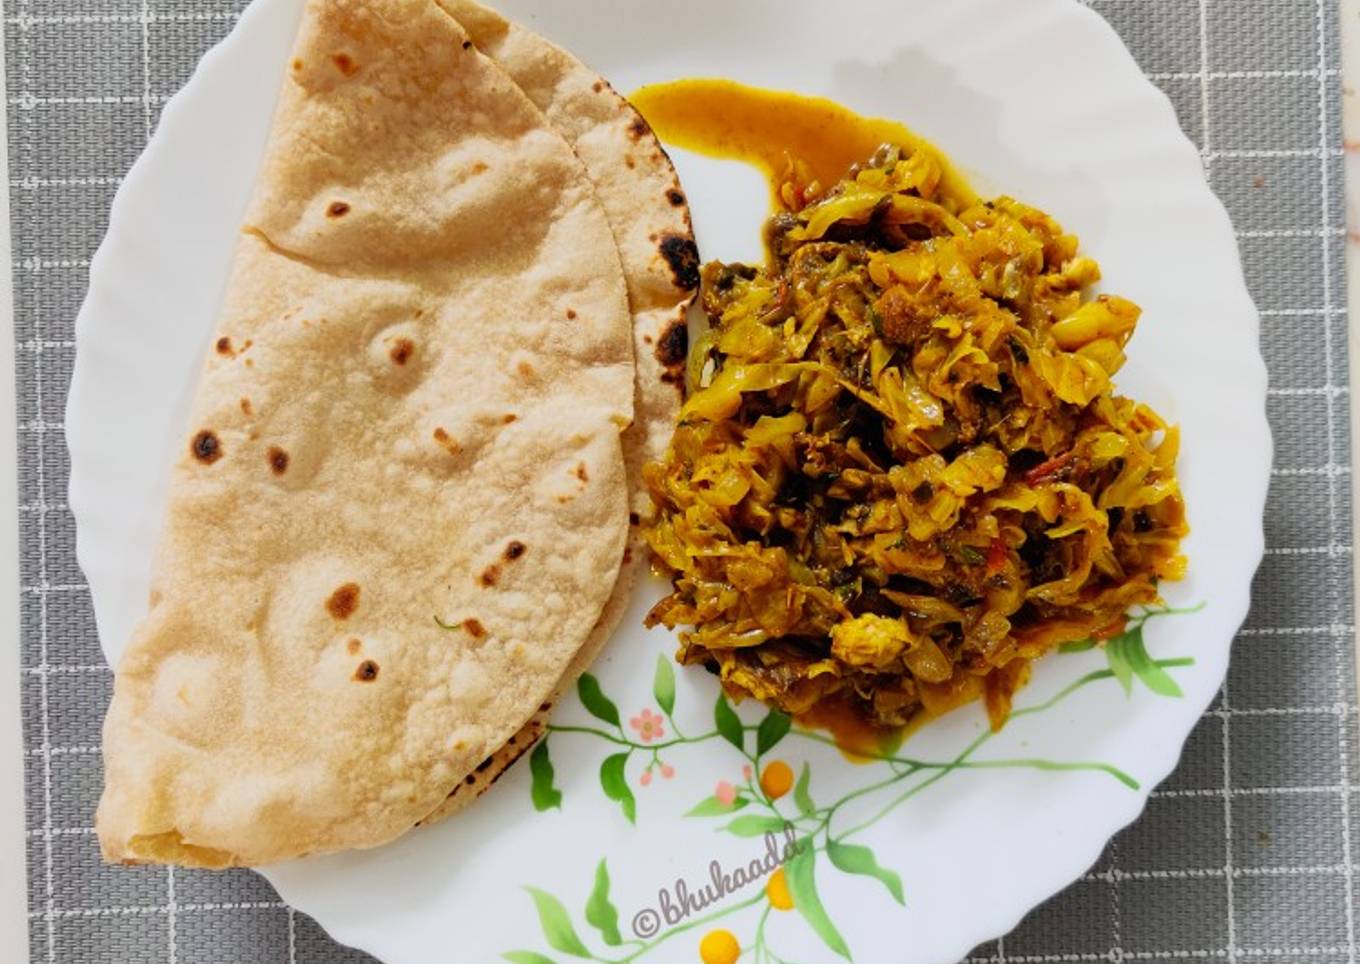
(1249, 851)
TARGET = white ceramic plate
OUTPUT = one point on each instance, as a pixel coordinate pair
(1039, 100)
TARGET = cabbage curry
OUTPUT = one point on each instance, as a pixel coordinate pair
(902, 472)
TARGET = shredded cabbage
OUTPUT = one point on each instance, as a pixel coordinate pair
(902, 473)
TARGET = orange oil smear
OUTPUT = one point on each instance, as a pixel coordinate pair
(764, 128)
(858, 740)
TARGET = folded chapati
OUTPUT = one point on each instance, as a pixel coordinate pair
(400, 503)
(649, 215)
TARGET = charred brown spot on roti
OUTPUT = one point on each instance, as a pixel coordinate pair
(490, 575)
(246, 407)
(447, 440)
(506, 420)
(545, 708)
(673, 345)
(580, 472)
(367, 671)
(485, 763)
(224, 345)
(345, 63)
(467, 44)
(475, 628)
(598, 86)
(205, 447)
(338, 209)
(401, 351)
(470, 779)
(344, 601)
(682, 254)
(630, 162)
(514, 550)
(525, 369)
(278, 460)
(638, 128)
(480, 167)
(514, 758)
(676, 197)
(297, 63)
(634, 519)
(571, 314)
(354, 646)
(627, 556)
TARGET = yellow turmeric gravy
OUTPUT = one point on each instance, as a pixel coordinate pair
(858, 740)
(766, 128)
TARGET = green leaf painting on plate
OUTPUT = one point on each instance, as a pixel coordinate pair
(713, 807)
(594, 700)
(768, 801)
(772, 729)
(663, 684)
(600, 913)
(728, 723)
(856, 859)
(803, 888)
(545, 796)
(615, 784)
(556, 924)
(802, 795)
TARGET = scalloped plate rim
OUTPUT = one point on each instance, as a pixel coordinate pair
(231, 54)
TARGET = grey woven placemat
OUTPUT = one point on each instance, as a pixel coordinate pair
(1248, 851)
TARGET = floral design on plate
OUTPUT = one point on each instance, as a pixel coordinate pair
(774, 799)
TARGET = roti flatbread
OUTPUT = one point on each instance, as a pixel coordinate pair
(648, 212)
(400, 503)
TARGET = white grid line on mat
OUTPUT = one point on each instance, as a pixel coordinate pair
(26, 152)
(144, 19)
(1225, 721)
(25, 21)
(1341, 647)
(1282, 953)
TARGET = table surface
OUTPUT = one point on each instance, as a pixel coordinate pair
(1248, 851)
